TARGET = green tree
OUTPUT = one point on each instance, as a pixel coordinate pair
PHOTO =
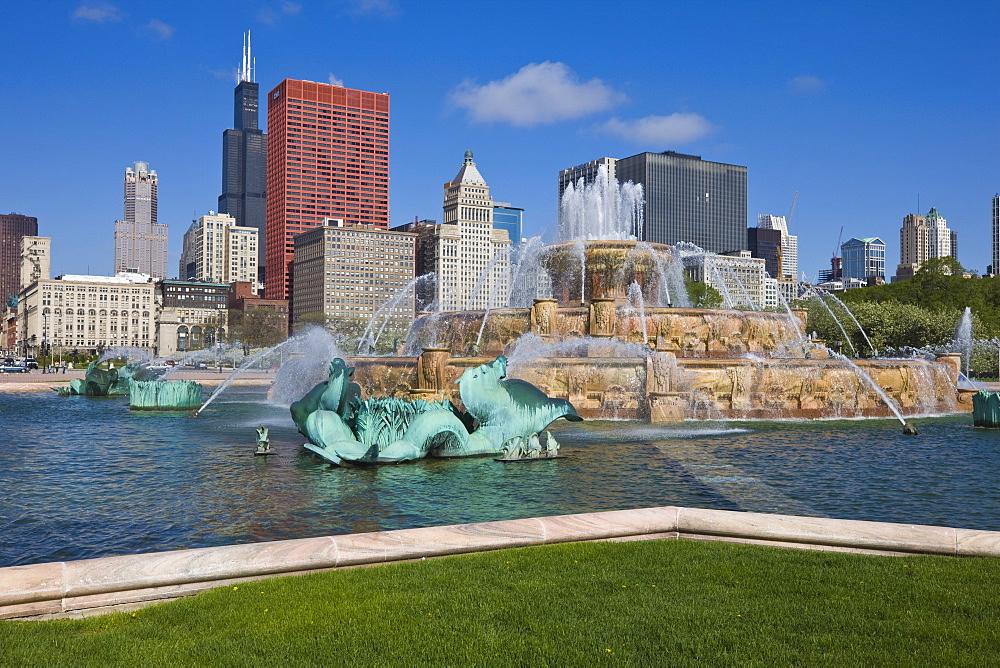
(888, 325)
(257, 327)
(703, 295)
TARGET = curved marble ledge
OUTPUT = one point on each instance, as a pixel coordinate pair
(821, 531)
(102, 584)
(175, 573)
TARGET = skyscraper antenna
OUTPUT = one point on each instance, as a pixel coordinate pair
(249, 63)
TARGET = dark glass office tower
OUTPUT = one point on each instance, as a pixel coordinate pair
(13, 226)
(244, 158)
(766, 244)
(690, 199)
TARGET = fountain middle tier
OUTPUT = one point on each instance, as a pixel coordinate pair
(685, 332)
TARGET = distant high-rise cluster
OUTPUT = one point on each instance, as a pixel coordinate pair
(922, 238)
(140, 241)
(789, 245)
(244, 158)
(327, 157)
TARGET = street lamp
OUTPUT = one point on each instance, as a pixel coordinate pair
(45, 335)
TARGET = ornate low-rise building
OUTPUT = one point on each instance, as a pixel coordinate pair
(193, 315)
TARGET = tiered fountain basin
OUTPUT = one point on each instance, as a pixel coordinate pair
(610, 344)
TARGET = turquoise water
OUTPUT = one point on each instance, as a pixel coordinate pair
(84, 477)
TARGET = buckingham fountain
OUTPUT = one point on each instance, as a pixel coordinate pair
(615, 337)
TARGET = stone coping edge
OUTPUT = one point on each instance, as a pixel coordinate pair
(102, 583)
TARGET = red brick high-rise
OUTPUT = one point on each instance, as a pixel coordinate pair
(327, 157)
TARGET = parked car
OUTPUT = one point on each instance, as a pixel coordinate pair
(31, 363)
(9, 366)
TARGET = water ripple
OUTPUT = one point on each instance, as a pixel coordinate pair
(86, 477)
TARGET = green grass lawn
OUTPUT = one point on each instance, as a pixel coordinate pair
(641, 603)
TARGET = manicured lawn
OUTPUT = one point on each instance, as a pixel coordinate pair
(642, 603)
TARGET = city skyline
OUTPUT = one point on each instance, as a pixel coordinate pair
(837, 123)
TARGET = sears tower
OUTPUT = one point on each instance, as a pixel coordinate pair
(244, 156)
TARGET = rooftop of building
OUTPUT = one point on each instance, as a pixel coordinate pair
(469, 173)
(120, 277)
(181, 281)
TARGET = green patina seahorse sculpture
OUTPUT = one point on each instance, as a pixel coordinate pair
(341, 427)
(96, 382)
(506, 408)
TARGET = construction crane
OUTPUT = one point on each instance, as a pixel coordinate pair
(836, 262)
(791, 209)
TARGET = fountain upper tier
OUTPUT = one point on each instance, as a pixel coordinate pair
(603, 310)
(606, 269)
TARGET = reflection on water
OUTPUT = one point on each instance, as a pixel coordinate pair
(85, 477)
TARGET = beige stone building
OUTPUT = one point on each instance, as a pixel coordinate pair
(36, 259)
(217, 250)
(470, 257)
(79, 312)
(140, 241)
(350, 272)
(913, 246)
(738, 277)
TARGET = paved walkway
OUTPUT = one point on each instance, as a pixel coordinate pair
(38, 381)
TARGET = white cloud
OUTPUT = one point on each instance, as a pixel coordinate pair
(231, 74)
(805, 84)
(270, 15)
(334, 81)
(160, 29)
(538, 93)
(679, 128)
(383, 7)
(101, 12)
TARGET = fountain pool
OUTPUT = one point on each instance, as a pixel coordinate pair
(94, 479)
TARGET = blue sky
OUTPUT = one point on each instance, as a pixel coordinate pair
(861, 107)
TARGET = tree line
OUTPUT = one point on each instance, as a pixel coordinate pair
(923, 313)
